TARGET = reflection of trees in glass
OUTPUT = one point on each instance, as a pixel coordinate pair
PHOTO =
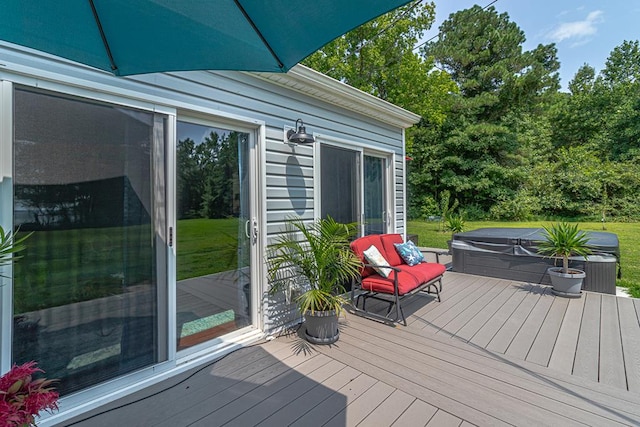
(208, 181)
(101, 203)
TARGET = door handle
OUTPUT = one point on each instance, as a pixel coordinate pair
(246, 228)
(255, 230)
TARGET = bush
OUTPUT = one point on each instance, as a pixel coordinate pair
(522, 207)
(423, 208)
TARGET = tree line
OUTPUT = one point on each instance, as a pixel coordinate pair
(497, 134)
(208, 180)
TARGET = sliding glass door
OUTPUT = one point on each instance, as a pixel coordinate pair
(375, 195)
(351, 193)
(215, 232)
(89, 185)
(340, 175)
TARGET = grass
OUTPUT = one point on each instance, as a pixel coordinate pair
(206, 246)
(628, 235)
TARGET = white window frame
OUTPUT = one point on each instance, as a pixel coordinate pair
(363, 150)
(257, 213)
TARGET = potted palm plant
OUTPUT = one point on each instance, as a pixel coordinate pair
(564, 240)
(316, 259)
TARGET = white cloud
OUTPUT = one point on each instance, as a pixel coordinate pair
(578, 31)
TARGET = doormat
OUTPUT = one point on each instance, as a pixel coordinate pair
(199, 325)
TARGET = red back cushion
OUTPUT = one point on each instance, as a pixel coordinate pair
(360, 245)
(390, 252)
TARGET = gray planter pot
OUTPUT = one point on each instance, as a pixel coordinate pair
(321, 327)
(566, 285)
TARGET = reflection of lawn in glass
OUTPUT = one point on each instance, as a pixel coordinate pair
(66, 266)
(206, 246)
(60, 267)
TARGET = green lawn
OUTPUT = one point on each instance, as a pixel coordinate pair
(206, 246)
(628, 235)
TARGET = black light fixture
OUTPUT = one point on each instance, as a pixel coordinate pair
(301, 136)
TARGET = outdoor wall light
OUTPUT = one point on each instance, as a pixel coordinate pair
(301, 136)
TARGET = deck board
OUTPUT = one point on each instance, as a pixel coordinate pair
(508, 330)
(612, 369)
(389, 411)
(495, 399)
(500, 305)
(299, 407)
(464, 308)
(564, 351)
(444, 419)
(277, 402)
(630, 333)
(521, 344)
(459, 321)
(358, 410)
(586, 362)
(482, 360)
(443, 369)
(460, 298)
(286, 385)
(418, 414)
(329, 409)
(542, 347)
(454, 291)
(496, 323)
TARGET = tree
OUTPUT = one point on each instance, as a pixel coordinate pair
(623, 65)
(621, 76)
(482, 51)
(501, 87)
(379, 58)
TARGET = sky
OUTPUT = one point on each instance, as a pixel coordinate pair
(584, 31)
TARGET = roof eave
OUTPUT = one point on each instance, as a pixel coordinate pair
(317, 85)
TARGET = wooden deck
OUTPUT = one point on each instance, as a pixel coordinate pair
(493, 352)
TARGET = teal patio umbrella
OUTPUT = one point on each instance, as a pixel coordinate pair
(143, 36)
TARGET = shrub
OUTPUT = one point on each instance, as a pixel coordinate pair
(24, 397)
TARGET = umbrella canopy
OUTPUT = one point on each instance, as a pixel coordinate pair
(144, 36)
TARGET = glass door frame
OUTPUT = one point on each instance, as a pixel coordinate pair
(387, 175)
(388, 155)
(256, 131)
(114, 100)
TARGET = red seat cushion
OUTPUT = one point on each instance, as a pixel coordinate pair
(425, 271)
(360, 245)
(390, 252)
(376, 283)
(409, 278)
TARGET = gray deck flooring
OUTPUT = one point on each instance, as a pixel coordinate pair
(493, 352)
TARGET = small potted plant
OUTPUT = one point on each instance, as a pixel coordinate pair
(317, 254)
(22, 397)
(564, 240)
(454, 223)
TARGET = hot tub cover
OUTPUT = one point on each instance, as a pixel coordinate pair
(523, 241)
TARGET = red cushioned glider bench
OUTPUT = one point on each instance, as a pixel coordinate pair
(404, 280)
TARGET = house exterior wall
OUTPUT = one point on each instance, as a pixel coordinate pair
(286, 175)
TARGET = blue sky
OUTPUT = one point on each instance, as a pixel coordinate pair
(584, 31)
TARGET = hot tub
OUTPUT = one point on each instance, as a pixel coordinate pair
(511, 253)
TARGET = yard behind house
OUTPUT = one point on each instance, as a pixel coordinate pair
(429, 235)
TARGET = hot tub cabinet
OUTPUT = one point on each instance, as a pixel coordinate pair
(511, 253)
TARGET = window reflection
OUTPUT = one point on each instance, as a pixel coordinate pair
(213, 251)
(86, 291)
